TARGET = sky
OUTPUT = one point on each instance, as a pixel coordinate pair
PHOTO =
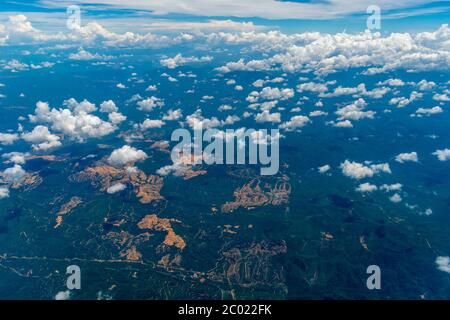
(287, 16)
(363, 113)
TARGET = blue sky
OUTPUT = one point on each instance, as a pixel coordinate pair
(288, 16)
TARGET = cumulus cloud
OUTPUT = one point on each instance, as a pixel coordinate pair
(317, 113)
(269, 93)
(117, 187)
(126, 155)
(63, 295)
(173, 115)
(231, 119)
(425, 85)
(13, 174)
(429, 111)
(443, 263)
(15, 157)
(295, 122)
(324, 169)
(150, 103)
(391, 187)
(116, 117)
(83, 55)
(441, 97)
(392, 82)
(8, 138)
(403, 102)
(405, 157)
(150, 124)
(4, 192)
(355, 111)
(179, 60)
(75, 122)
(366, 187)
(359, 171)
(313, 87)
(108, 106)
(324, 54)
(442, 155)
(41, 138)
(396, 198)
(196, 121)
(342, 124)
(19, 30)
(266, 116)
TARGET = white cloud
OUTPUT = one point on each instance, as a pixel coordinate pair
(77, 107)
(295, 122)
(108, 106)
(391, 187)
(231, 119)
(173, 115)
(392, 82)
(63, 295)
(126, 155)
(13, 174)
(117, 187)
(405, 157)
(429, 111)
(41, 138)
(425, 85)
(396, 198)
(312, 87)
(269, 93)
(358, 171)
(441, 97)
(150, 124)
(403, 102)
(4, 192)
(323, 169)
(20, 31)
(317, 113)
(355, 111)
(196, 121)
(77, 124)
(150, 103)
(442, 155)
(443, 263)
(179, 60)
(15, 157)
(83, 55)
(116, 117)
(366, 187)
(324, 54)
(225, 107)
(343, 124)
(266, 116)
(8, 138)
